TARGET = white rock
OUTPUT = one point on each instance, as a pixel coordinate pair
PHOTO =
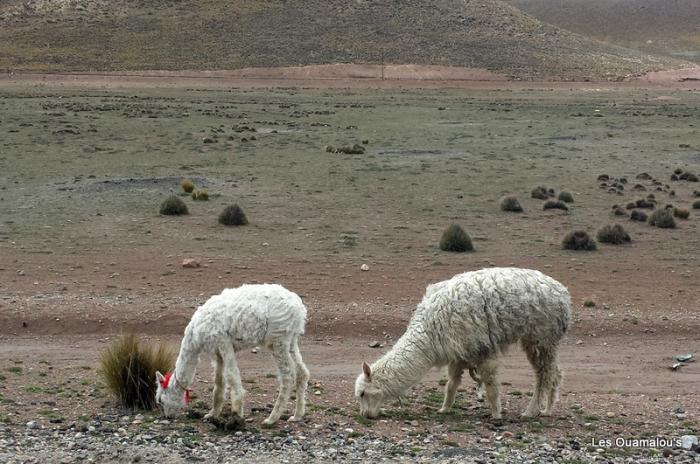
(687, 441)
(364, 267)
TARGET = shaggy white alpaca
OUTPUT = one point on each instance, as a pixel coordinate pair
(240, 318)
(464, 323)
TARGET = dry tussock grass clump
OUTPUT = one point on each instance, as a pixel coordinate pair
(578, 240)
(129, 367)
(681, 213)
(233, 216)
(662, 218)
(511, 203)
(613, 234)
(456, 239)
(187, 185)
(173, 206)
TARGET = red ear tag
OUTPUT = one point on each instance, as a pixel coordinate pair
(187, 397)
(166, 380)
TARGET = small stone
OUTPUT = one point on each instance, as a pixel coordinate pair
(190, 263)
(32, 425)
(364, 267)
(687, 441)
(375, 344)
(255, 350)
(610, 414)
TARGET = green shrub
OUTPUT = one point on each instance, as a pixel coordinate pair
(233, 216)
(615, 235)
(662, 218)
(681, 213)
(187, 185)
(540, 192)
(200, 195)
(554, 204)
(129, 370)
(618, 211)
(173, 206)
(566, 197)
(647, 203)
(512, 204)
(696, 204)
(456, 239)
(578, 240)
(640, 216)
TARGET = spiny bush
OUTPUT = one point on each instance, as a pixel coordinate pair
(578, 240)
(129, 370)
(662, 218)
(681, 213)
(696, 193)
(233, 216)
(356, 149)
(553, 204)
(566, 197)
(200, 195)
(455, 239)
(511, 203)
(540, 192)
(187, 185)
(173, 206)
(640, 216)
(618, 211)
(613, 234)
(644, 203)
(696, 204)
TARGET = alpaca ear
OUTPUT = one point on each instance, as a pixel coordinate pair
(159, 378)
(367, 371)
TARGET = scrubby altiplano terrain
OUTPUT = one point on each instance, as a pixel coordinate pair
(154, 153)
(86, 255)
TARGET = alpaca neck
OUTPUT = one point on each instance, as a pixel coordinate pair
(186, 363)
(404, 365)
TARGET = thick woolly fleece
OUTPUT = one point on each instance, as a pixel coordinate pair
(471, 318)
(239, 318)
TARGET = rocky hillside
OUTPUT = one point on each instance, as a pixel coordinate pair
(216, 34)
(670, 27)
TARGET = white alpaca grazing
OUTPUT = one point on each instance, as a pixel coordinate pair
(464, 323)
(239, 318)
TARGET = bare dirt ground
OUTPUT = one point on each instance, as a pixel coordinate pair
(84, 257)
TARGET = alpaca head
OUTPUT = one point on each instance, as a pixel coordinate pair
(170, 395)
(369, 395)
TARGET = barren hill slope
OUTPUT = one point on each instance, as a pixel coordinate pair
(216, 34)
(670, 27)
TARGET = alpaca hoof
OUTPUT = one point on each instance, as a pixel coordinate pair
(443, 410)
(209, 416)
(530, 414)
(295, 419)
(269, 421)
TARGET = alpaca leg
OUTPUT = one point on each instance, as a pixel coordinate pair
(480, 392)
(454, 374)
(302, 379)
(487, 371)
(233, 379)
(537, 357)
(219, 387)
(552, 379)
(285, 364)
